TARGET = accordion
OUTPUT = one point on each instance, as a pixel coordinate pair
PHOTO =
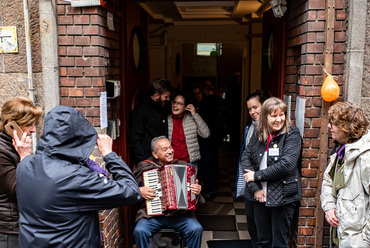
(172, 185)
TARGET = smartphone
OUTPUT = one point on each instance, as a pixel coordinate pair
(11, 126)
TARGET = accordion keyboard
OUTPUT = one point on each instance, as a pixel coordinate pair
(150, 178)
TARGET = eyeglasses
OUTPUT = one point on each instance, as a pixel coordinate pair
(177, 103)
(330, 124)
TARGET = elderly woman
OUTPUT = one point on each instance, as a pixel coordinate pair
(26, 115)
(346, 182)
(184, 126)
(272, 165)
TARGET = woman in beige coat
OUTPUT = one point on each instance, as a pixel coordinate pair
(184, 126)
(346, 183)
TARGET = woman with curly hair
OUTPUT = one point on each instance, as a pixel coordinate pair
(346, 183)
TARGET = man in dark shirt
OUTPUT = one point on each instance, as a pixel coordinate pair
(149, 120)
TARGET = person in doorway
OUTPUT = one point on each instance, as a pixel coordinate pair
(272, 172)
(184, 126)
(58, 194)
(149, 120)
(185, 222)
(346, 183)
(254, 106)
(196, 98)
(12, 151)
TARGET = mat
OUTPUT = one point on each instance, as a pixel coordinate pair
(214, 208)
(229, 244)
(217, 223)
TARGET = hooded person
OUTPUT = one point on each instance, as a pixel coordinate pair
(58, 194)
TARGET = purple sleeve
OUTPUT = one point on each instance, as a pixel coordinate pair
(95, 167)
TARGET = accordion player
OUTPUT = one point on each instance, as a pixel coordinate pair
(172, 185)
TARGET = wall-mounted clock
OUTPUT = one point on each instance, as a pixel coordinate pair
(268, 51)
(138, 49)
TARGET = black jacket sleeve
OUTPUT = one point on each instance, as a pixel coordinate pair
(250, 163)
(103, 193)
(136, 135)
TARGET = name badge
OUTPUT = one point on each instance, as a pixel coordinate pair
(273, 151)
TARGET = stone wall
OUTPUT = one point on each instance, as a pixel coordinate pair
(365, 91)
(13, 66)
(304, 77)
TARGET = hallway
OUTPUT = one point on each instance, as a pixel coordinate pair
(223, 218)
(228, 158)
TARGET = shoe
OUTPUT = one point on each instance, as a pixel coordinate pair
(158, 241)
(152, 243)
(175, 240)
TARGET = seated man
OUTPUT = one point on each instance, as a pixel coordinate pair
(184, 222)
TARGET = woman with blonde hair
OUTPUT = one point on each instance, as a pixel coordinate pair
(346, 184)
(272, 165)
(12, 151)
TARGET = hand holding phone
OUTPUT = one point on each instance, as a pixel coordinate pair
(11, 126)
(21, 144)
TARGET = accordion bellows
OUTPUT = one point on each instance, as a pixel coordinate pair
(172, 185)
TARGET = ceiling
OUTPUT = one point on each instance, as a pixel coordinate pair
(205, 12)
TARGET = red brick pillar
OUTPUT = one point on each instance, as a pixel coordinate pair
(304, 77)
(88, 55)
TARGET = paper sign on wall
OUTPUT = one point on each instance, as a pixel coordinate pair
(103, 110)
(8, 40)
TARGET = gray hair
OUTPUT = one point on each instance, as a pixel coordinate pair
(154, 143)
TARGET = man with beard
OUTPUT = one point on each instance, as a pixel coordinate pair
(149, 120)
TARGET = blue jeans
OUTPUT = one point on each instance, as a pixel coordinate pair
(189, 227)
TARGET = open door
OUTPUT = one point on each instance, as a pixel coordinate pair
(273, 54)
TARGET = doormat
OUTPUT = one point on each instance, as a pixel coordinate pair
(214, 208)
(229, 243)
(217, 223)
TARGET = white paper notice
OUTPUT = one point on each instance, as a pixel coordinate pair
(103, 110)
(299, 113)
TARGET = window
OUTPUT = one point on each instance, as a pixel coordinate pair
(205, 49)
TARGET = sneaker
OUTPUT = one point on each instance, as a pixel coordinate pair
(158, 241)
(152, 243)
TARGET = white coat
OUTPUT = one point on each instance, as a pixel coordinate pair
(352, 202)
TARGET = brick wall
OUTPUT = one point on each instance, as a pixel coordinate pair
(89, 54)
(304, 77)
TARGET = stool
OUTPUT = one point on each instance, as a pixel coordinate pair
(170, 230)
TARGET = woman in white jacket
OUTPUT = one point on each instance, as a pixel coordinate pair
(346, 183)
(184, 126)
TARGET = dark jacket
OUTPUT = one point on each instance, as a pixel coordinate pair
(283, 171)
(9, 160)
(58, 195)
(148, 120)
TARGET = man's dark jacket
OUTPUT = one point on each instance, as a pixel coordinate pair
(283, 170)
(58, 195)
(148, 120)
